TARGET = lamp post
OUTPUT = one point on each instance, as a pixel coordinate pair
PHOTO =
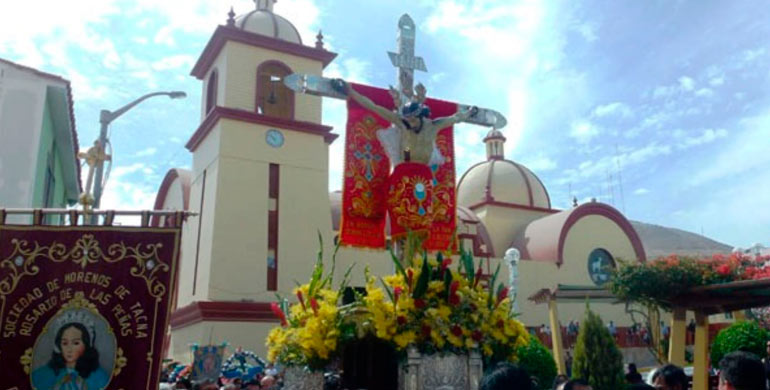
(105, 118)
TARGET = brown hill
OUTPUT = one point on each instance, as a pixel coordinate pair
(662, 241)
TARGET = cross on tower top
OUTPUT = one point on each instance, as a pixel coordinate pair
(404, 60)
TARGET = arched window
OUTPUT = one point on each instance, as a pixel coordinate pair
(273, 97)
(211, 91)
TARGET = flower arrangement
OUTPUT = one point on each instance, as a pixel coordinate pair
(430, 306)
(657, 282)
(310, 330)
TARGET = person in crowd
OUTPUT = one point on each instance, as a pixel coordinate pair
(183, 384)
(506, 376)
(251, 385)
(613, 330)
(632, 375)
(568, 363)
(577, 384)
(559, 381)
(741, 371)
(669, 377)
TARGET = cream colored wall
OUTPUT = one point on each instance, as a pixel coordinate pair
(239, 224)
(503, 223)
(249, 335)
(204, 158)
(240, 79)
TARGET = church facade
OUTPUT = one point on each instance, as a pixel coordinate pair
(259, 183)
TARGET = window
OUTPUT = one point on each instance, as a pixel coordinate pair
(600, 266)
(211, 91)
(273, 97)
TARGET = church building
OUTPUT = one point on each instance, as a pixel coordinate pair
(259, 184)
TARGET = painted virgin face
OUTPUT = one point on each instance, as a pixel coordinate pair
(72, 345)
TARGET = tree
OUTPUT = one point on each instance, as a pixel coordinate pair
(597, 359)
(745, 336)
(538, 362)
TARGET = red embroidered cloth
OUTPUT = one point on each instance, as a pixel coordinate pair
(367, 171)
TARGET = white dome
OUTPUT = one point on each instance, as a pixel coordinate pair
(263, 21)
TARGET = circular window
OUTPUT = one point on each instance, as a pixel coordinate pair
(600, 266)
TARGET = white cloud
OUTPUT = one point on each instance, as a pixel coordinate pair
(587, 31)
(591, 169)
(704, 92)
(183, 61)
(540, 163)
(707, 136)
(610, 109)
(717, 80)
(641, 191)
(745, 153)
(146, 152)
(583, 131)
(686, 83)
(164, 36)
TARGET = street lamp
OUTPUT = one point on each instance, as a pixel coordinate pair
(105, 118)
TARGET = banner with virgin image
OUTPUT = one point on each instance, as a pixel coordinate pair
(84, 307)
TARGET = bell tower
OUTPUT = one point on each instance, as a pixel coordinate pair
(259, 182)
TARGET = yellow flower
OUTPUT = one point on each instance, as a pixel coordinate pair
(402, 340)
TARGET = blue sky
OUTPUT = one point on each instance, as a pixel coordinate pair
(673, 95)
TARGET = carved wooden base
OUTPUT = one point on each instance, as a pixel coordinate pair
(434, 372)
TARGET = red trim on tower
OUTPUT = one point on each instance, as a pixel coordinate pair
(252, 117)
(512, 205)
(488, 188)
(226, 33)
(273, 193)
(221, 311)
(292, 102)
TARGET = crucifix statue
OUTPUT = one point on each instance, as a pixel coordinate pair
(411, 114)
(417, 190)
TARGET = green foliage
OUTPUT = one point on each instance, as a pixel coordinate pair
(538, 362)
(745, 336)
(597, 358)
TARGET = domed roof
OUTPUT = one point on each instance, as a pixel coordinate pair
(263, 21)
(501, 180)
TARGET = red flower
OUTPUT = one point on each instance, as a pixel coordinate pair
(279, 313)
(301, 301)
(502, 294)
(723, 269)
(419, 303)
(477, 278)
(401, 320)
(314, 305)
(457, 330)
(397, 293)
(425, 330)
(453, 298)
(500, 324)
(476, 335)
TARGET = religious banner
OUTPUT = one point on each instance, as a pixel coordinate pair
(84, 307)
(367, 181)
(367, 167)
(207, 362)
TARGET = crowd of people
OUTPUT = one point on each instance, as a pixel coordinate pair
(737, 371)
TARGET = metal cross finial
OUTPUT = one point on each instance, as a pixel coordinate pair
(405, 60)
(319, 43)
